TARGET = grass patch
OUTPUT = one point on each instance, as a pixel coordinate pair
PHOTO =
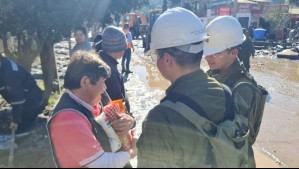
(53, 99)
(41, 85)
(54, 96)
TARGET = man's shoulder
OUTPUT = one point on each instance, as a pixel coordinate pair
(246, 77)
(108, 60)
(246, 86)
(160, 113)
(87, 45)
(9, 64)
(69, 115)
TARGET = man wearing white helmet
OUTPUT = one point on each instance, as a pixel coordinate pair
(168, 139)
(220, 51)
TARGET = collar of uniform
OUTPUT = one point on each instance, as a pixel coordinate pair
(78, 100)
(233, 69)
(108, 58)
(198, 74)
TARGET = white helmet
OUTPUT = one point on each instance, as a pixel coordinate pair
(178, 27)
(224, 32)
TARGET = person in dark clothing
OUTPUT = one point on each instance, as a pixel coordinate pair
(113, 45)
(246, 51)
(19, 89)
(250, 31)
(97, 43)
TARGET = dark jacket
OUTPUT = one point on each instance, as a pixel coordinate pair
(246, 50)
(115, 84)
(18, 88)
(168, 139)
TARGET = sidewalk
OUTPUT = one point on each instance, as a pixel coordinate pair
(263, 161)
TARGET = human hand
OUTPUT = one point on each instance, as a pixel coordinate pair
(133, 151)
(123, 124)
(14, 126)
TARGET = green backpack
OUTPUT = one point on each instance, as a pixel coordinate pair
(253, 109)
(229, 139)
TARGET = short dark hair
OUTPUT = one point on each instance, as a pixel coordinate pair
(83, 29)
(183, 59)
(126, 26)
(88, 64)
(235, 47)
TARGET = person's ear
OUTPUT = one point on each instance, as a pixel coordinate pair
(234, 53)
(167, 58)
(84, 82)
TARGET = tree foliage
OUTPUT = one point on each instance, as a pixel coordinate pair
(120, 7)
(33, 22)
(38, 24)
(293, 2)
(55, 19)
(277, 17)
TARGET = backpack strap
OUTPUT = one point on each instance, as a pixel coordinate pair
(176, 97)
(229, 113)
(229, 110)
(202, 124)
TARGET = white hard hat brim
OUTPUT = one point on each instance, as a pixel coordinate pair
(211, 50)
(191, 48)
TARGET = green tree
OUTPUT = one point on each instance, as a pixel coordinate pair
(38, 24)
(175, 3)
(277, 18)
(121, 7)
(292, 2)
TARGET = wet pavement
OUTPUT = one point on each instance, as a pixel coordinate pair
(279, 133)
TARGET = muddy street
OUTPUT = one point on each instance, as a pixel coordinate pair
(279, 132)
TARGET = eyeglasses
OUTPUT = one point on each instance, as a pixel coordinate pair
(220, 54)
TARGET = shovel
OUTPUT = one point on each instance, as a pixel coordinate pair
(12, 149)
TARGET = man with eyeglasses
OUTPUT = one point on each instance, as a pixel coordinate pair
(221, 51)
(168, 139)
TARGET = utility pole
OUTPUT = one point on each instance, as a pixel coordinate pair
(235, 6)
(164, 7)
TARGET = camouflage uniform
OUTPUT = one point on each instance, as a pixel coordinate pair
(170, 140)
(248, 99)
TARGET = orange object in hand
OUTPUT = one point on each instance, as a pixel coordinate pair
(121, 105)
(111, 110)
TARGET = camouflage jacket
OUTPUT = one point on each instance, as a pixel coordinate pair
(168, 139)
(248, 100)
